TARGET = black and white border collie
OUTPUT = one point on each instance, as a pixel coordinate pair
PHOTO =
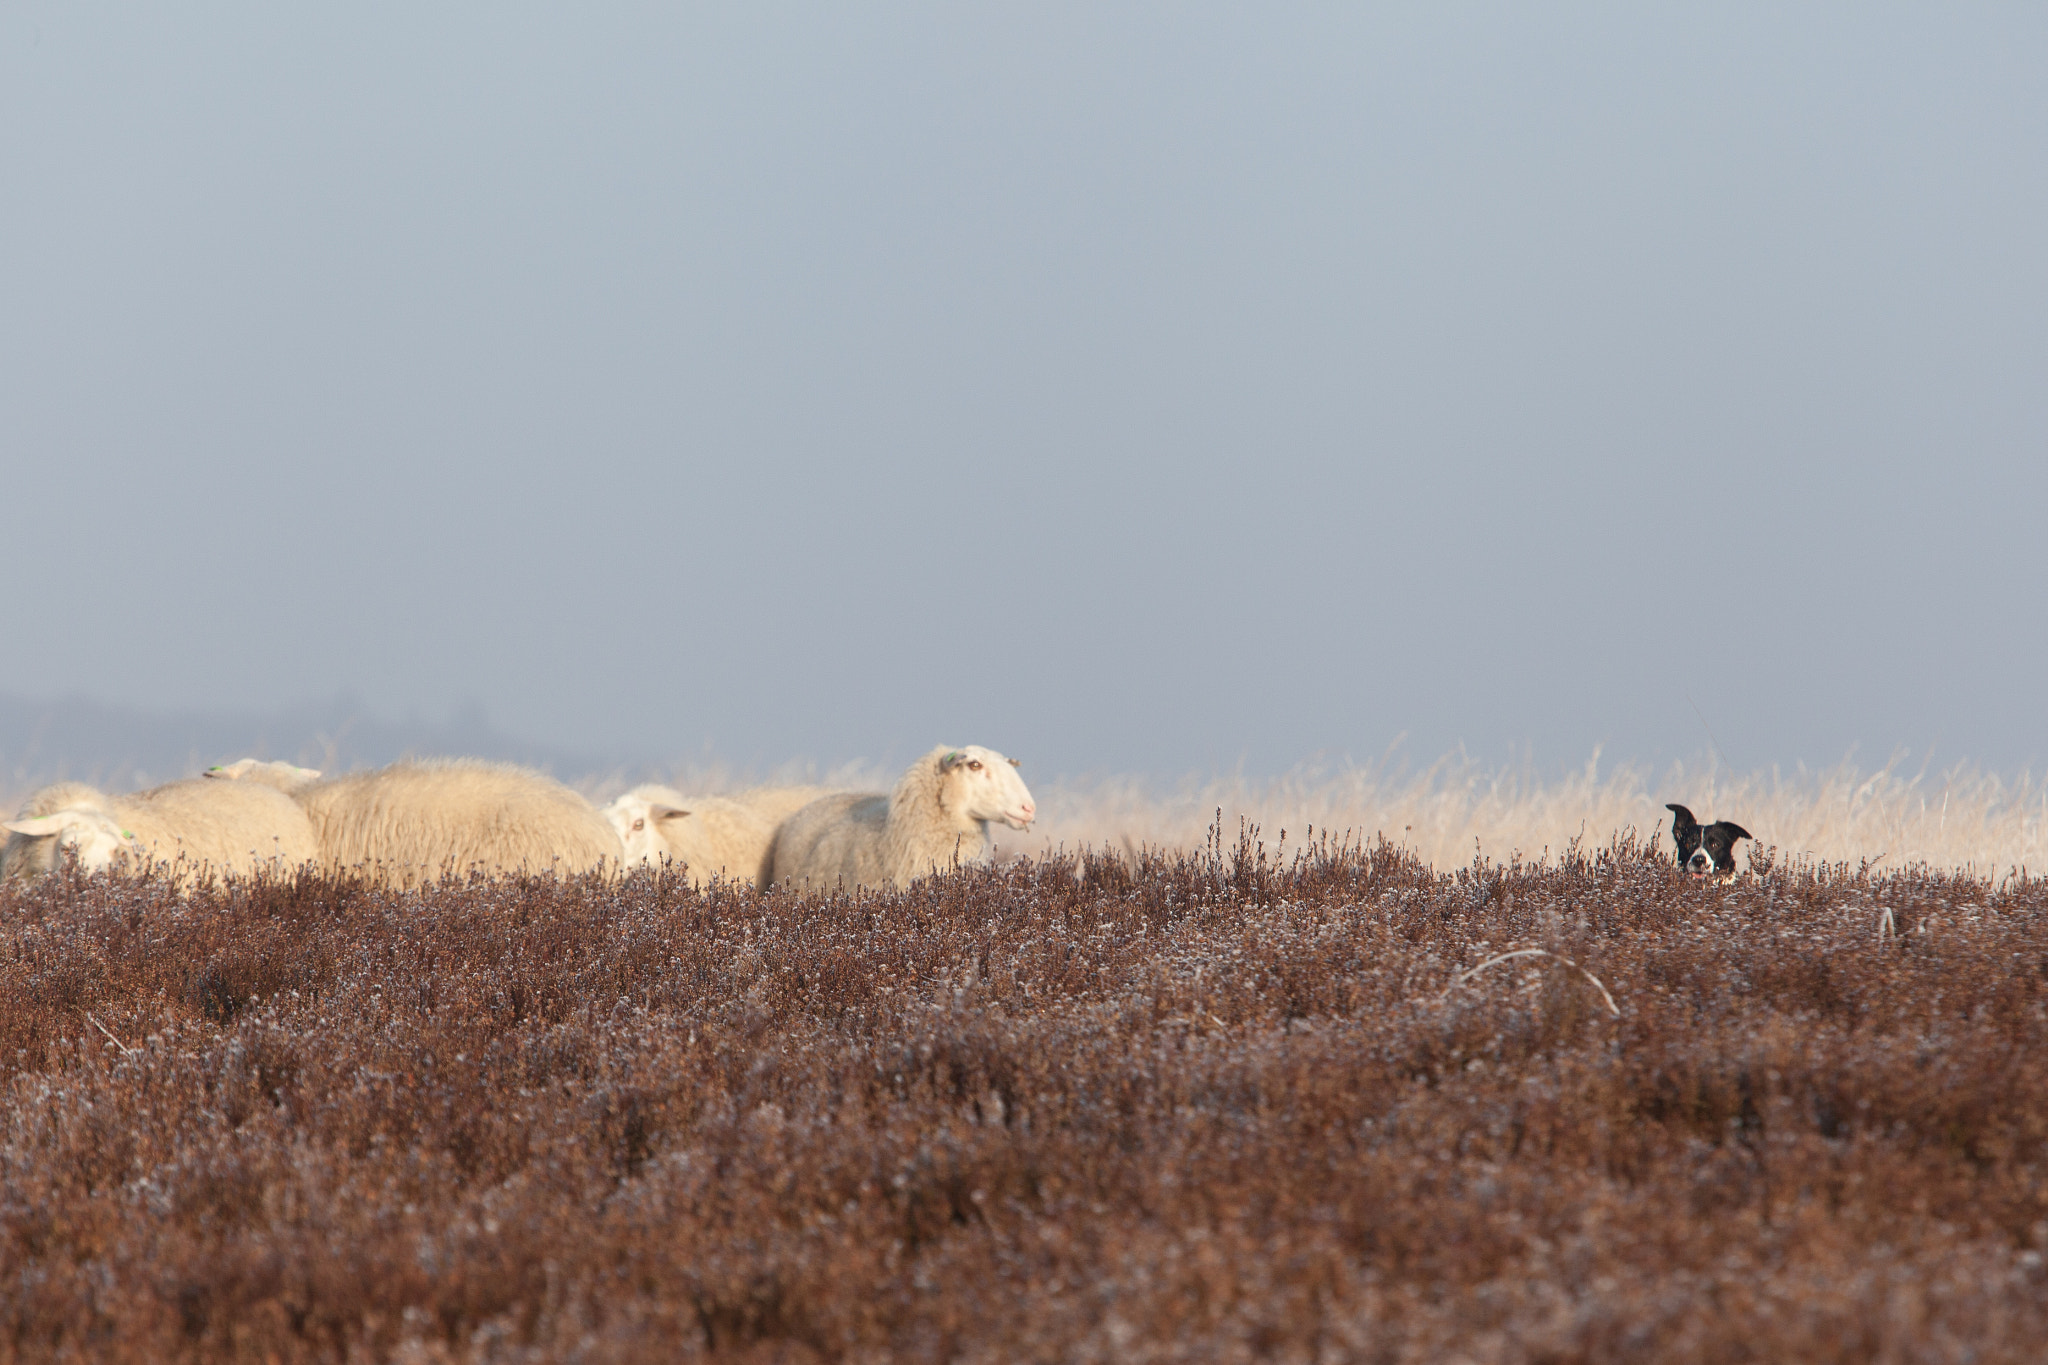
(1705, 850)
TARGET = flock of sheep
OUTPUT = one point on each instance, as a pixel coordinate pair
(418, 820)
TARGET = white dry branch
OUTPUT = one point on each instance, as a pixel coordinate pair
(125, 1049)
(1465, 976)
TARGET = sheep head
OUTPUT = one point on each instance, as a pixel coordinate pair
(286, 777)
(638, 818)
(981, 784)
(94, 837)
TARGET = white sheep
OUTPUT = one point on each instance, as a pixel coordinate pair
(937, 815)
(410, 822)
(711, 835)
(726, 835)
(230, 826)
(286, 777)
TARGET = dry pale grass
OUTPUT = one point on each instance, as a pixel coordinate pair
(1961, 818)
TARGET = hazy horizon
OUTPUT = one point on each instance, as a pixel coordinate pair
(78, 737)
(1139, 390)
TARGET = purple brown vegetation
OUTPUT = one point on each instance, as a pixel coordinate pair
(1213, 1107)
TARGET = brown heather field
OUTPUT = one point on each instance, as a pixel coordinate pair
(1209, 1106)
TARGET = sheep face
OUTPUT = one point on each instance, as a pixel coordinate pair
(93, 837)
(981, 784)
(639, 819)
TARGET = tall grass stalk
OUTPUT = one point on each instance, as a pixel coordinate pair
(1961, 818)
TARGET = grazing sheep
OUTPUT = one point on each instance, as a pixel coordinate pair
(729, 836)
(937, 815)
(230, 826)
(410, 822)
(286, 777)
(711, 835)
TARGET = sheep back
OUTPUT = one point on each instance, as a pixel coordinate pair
(286, 777)
(776, 804)
(230, 827)
(831, 840)
(411, 822)
(234, 825)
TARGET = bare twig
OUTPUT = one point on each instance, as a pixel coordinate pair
(125, 1049)
(1465, 976)
(1886, 925)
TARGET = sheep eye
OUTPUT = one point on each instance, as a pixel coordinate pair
(640, 824)
(974, 764)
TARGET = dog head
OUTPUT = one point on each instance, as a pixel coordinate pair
(1705, 850)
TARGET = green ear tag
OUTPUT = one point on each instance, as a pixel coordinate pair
(127, 834)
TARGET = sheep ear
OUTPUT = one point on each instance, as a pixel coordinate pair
(666, 812)
(42, 826)
(1016, 763)
(950, 760)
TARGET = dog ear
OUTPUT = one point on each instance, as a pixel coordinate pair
(1684, 819)
(1735, 831)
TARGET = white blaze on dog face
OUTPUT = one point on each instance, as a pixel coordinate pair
(95, 838)
(984, 785)
(638, 821)
(1716, 855)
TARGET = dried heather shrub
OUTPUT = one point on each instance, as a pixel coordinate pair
(1214, 1106)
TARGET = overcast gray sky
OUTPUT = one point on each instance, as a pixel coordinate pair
(1135, 388)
